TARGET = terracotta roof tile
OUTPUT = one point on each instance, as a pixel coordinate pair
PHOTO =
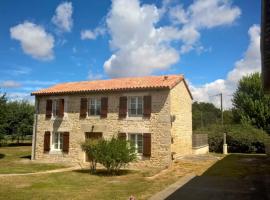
(132, 83)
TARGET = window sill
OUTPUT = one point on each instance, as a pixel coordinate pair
(59, 118)
(93, 117)
(56, 152)
(137, 118)
(142, 157)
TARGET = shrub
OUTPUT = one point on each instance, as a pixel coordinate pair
(91, 148)
(112, 154)
(240, 138)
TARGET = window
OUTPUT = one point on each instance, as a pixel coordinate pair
(55, 107)
(135, 106)
(57, 141)
(94, 106)
(137, 141)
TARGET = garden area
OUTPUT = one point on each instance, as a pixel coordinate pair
(81, 184)
(16, 159)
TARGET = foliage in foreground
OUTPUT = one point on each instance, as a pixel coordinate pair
(240, 138)
(113, 154)
(251, 105)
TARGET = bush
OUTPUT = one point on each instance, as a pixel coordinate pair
(112, 154)
(90, 147)
(240, 138)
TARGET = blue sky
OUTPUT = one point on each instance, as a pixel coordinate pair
(47, 42)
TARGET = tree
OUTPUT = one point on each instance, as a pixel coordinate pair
(204, 114)
(251, 106)
(19, 118)
(3, 110)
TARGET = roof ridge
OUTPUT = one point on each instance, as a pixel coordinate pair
(127, 83)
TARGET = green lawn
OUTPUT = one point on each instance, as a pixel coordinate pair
(80, 184)
(17, 160)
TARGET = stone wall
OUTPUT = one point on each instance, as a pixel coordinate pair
(181, 112)
(158, 125)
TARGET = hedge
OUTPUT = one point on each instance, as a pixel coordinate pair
(240, 138)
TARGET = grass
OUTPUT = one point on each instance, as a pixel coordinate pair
(80, 184)
(17, 160)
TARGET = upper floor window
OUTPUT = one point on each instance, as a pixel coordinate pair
(55, 108)
(94, 106)
(135, 106)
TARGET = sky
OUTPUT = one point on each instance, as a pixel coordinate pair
(212, 42)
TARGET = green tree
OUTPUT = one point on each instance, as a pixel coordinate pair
(3, 121)
(251, 106)
(204, 114)
(20, 118)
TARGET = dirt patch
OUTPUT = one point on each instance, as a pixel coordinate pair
(197, 164)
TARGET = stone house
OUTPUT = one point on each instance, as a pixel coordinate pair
(154, 112)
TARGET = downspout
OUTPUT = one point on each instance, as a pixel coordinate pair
(33, 155)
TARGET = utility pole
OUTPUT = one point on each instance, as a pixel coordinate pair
(201, 120)
(221, 108)
(225, 146)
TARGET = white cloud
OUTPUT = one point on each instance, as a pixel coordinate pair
(37, 82)
(94, 76)
(250, 63)
(92, 35)
(140, 46)
(10, 84)
(16, 71)
(35, 41)
(178, 15)
(20, 96)
(63, 17)
(211, 13)
(202, 14)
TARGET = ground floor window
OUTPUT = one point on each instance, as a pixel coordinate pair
(57, 141)
(136, 139)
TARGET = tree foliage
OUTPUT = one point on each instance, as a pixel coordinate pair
(204, 114)
(113, 154)
(251, 106)
(16, 119)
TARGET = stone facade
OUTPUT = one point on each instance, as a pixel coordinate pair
(164, 104)
(181, 112)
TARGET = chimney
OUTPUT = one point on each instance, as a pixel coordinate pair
(165, 78)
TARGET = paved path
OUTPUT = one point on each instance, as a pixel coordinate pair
(172, 188)
(208, 188)
(43, 172)
(242, 179)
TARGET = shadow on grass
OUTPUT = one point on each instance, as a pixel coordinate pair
(15, 144)
(26, 157)
(104, 172)
(2, 155)
(237, 176)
